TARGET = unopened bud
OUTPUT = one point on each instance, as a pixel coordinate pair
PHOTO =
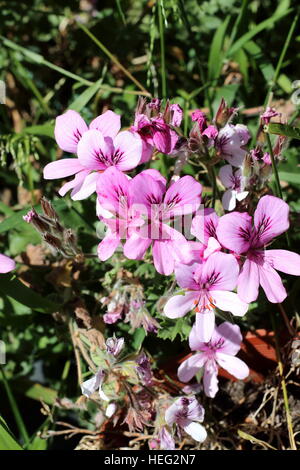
(52, 241)
(39, 222)
(224, 114)
(48, 209)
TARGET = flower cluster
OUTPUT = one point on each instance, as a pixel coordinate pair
(219, 259)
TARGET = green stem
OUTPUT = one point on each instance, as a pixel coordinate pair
(284, 391)
(277, 181)
(162, 52)
(111, 57)
(274, 166)
(15, 409)
(281, 57)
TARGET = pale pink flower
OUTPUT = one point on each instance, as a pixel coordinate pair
(166, 441)
(6, 264)
(235, 182)
(248, 237)
(187, 414)
(230, 143)
(114, 345)
(160, 206)
(268, 114)
(219, 351)
(206, 285)
(98, 147)
(94, 384)
(176, 115)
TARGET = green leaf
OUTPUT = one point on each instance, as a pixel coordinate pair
(215, 53)
(254, 31)
(171, 329)
(293, 178)
(13, 288)
(7, 440)
(37, 444)
(35, 391)
(138, 338)
(283, 129)
(80, 102)
(46, 130)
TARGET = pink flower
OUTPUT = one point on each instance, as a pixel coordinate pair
(156, 132)
(6, 264)
(235, 182)
(166, 441)
(159, 206)
(176, 115)
(114, 345)
(219, 351)
(199, 117)
(204, 226)
(90, 386)
(98, 147)
(244, 236)
(206, 285)
(187, 413)
(114, 192)
(268, 114)
(230, 142)
(267, 159)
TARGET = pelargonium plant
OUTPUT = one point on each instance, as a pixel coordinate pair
(215, 248)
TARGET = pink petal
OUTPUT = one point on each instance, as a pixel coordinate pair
(185, 276)
(136, 246)
(69, 128)
(248, 281)
(94, 151)
(205, 324)
(113, 191)
(147, 152)
(212, 247)
(194, 342)
(223, 269)
(283, 260)
(146, 190)
(210, 379)
(179, 305)
(164, 138)
(74, 184)
(87, 188)
(190, 367)
(62, 168)
(183, 197)
(233, 337)
(225, 175)
(196, 431)
(229, 199)
(156, 175)
(234, 231)
(108, 246)
(109, 123)
(230, 302)
(204, 225)
(177, 114)
(233, 365)
(271, 283)
(271, 218)
(163, 257)
(6, 264)
(129, 147)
